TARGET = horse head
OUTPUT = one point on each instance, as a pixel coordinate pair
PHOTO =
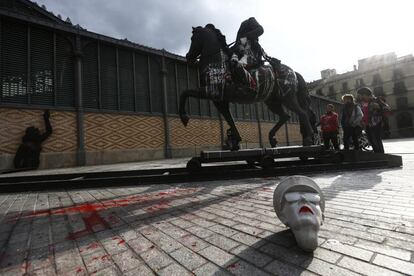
(196, 46)
(207, 44)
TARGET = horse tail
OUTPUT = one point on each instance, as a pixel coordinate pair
(305, 100)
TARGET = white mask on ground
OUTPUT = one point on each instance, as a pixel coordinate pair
(299, 204)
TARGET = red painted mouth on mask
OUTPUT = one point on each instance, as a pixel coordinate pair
(305, 209)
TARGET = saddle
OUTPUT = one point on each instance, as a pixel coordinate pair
(259, 80)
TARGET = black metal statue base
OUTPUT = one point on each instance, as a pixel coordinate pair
(302, 155)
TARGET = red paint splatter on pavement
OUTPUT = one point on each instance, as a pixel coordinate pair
(93, 245)
(121, 241)
(233, 266)
(91, 222)
(105, 257)
(162, 205)
(79, 270)
(152, 246)
(94, 221)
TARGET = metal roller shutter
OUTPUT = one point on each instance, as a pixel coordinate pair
(156, 85)
(182, 80)
(90, 81)
(65, 79)
(194, 102)
(41, 63)
(108, 69)
(171, 88)
(240, 111)
(126, 81)
(13, 62)
(142, 83)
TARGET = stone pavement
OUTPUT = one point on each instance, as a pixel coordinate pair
(212, 228)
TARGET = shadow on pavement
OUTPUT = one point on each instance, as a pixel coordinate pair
(30, 240)
(275, 254)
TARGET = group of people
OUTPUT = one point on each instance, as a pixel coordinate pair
(367, 112)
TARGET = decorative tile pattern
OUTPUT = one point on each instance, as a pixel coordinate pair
(249, 132)
(295, 138)
(119, 132)
(13, 124)
(197, 133)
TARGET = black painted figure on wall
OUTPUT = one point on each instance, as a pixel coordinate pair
(28, 153)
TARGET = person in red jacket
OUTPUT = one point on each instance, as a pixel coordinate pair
(329, 126)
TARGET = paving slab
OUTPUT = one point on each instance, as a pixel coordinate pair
(210, 228)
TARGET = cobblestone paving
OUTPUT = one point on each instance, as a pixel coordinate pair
(215, 228)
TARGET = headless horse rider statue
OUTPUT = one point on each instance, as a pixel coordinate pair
(247, 47)
(249, 53)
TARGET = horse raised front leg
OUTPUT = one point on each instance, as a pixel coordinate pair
(181, 110)
(199, 93)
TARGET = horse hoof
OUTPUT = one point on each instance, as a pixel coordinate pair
(184, 119)
(273, 142)
(307, 142)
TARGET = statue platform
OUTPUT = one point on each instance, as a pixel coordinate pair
(271, 157)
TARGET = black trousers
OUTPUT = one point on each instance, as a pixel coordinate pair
(353, 132)
(374, 137)
(330, 137)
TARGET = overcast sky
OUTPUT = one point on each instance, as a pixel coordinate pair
(309, 36)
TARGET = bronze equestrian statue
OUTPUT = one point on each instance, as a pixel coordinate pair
(239, 75)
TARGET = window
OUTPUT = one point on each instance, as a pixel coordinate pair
(319, 92)
(331, 90)
(397, 75)
(359, 83)
(399, 85)
(379, 91)
(402, 103)
(376, 80)
(345, 87)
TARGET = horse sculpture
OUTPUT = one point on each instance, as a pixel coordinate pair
(209, 46)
